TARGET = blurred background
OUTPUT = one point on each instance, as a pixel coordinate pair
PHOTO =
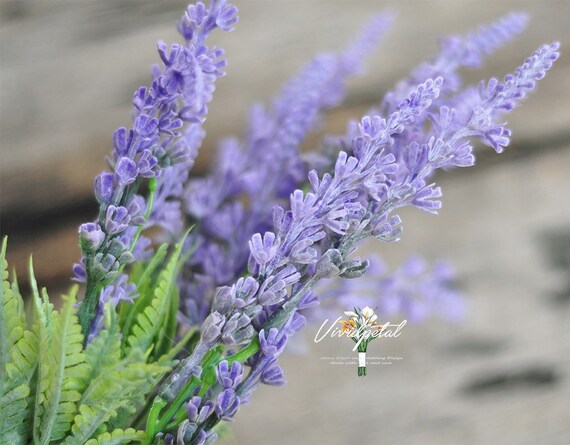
(502, 375)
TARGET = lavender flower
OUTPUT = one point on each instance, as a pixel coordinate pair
(456, 52)
(353, 202)
(180, 92)
(227, 404)
(265, 168)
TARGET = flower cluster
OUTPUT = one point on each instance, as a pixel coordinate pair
(151, 150)
(261, 170)
(315, 238)
(271, 224)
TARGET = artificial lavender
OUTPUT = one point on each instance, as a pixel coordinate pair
(263, 169)
(314, 239)
(149, 151)
(268, 166)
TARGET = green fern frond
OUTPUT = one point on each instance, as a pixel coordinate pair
(12, 321)
(14, 407)
(65, 363)
(149, 329)
(118, 437)
(122, 385)
(101, 354)
(18, 358)
(144, 278)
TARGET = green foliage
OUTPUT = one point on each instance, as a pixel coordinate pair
(155, 326)
(53, 390)
(18, 361)
(118, 437)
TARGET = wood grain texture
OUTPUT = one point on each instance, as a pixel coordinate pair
(69, 68)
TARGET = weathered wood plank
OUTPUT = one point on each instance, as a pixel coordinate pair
(69, 69)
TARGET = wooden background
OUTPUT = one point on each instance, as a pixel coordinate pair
(68, 70)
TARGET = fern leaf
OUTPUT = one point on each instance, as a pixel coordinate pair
(120, 386)
(128, 313)
(101, 354)
(14, 407)
(65, 363)
(118, 437)
(18, 359)
(150, 323)
(12, 322)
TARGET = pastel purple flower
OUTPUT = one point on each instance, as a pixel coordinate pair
(126, 171)
(122, 140)
(263, 249)
(273, 375)
(90, 236)
(198, 409)
(104, 187)
(145, 126)
(273, 342)
(212, 327)
(117, 219)
(229, 376)
(227, 404)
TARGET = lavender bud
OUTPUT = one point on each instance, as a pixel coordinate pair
(328, 265)
(147, 164)
(229, 377)
(145, 126)
(116, 247)
(104, 187)
(103, 267)
(136, 209)
(198, 411)
(212, 327)
(126, 258)
(223, 300)
(387, 228)
(273, 343)
(185, 432)
(90, 237)
(126, 171)
(263, 249)
(273, 375)
(237, 330)
(122, 141)
(227, 18)
(354, 268)
(79, 272)
(227, 404)
(245, 289)
(117, 219)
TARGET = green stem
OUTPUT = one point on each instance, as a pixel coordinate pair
(86, 310)
(156, 424)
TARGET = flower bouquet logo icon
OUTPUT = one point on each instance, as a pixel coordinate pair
(361, 327)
